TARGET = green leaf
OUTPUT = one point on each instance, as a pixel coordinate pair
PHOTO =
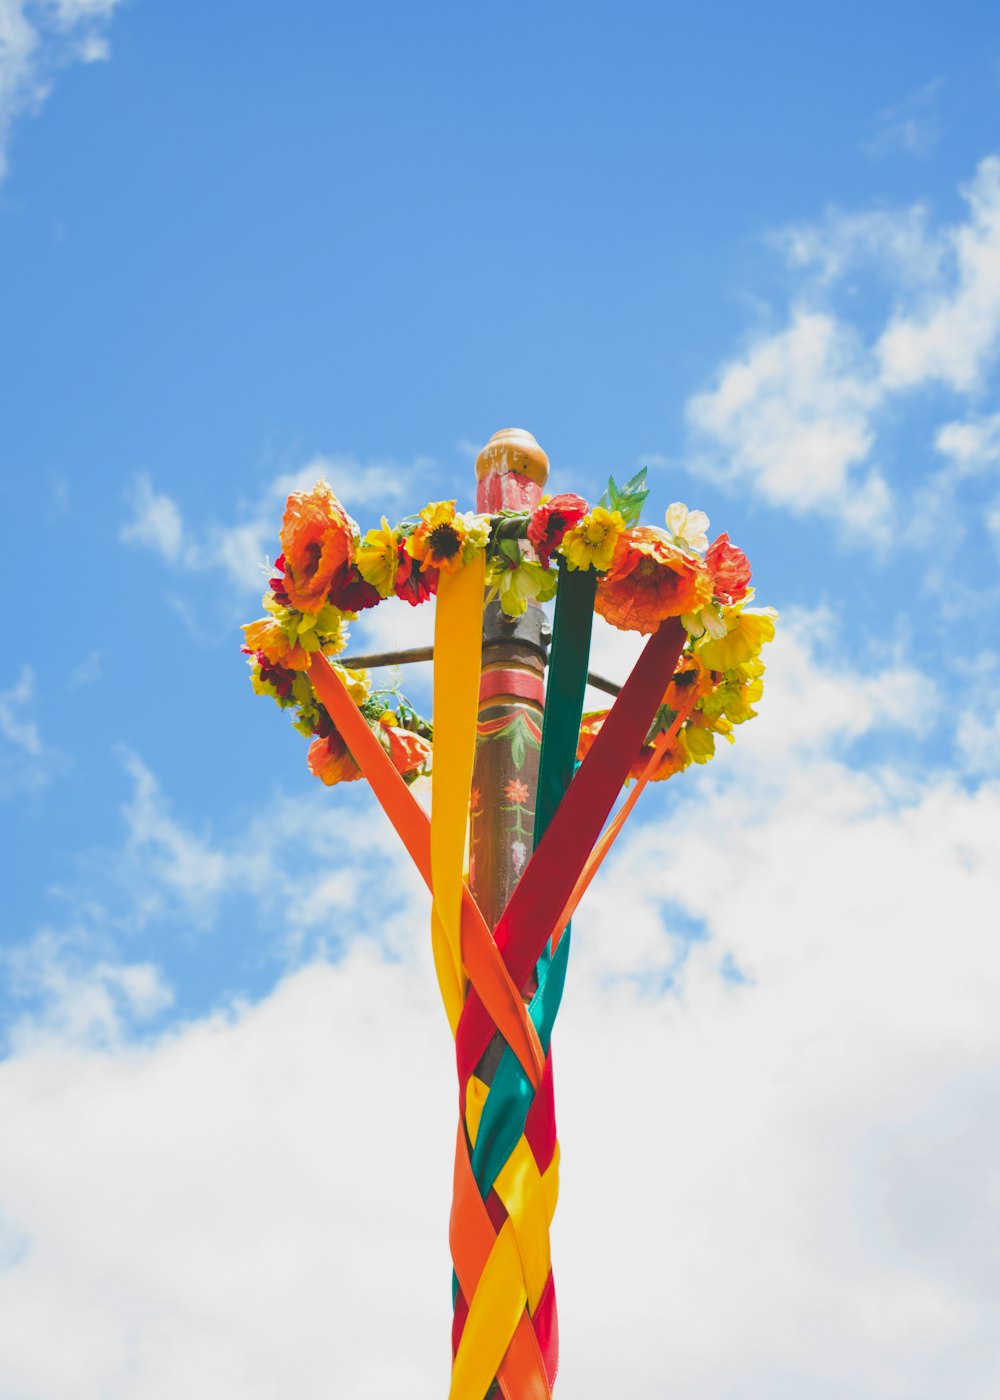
(636, 483)
(627, 499)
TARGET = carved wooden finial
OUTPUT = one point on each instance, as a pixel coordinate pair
(511, 470)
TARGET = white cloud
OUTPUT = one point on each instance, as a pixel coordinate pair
(783, 1186)
(793, 417)
(36, 40)
(954, 336)
(293, 870)
(798, 415)
(899, 242)
(979, 739)
(993, 522)
(971, 445)
(170, 858)
(81, 1004)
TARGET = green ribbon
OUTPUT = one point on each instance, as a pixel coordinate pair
(568, 665)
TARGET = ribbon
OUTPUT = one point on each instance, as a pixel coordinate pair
(608, 837)
(502, 1158)
(543, 891)
(506, 1160)
(456, 704)
(482, 961)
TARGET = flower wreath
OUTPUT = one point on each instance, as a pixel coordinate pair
(328, 572)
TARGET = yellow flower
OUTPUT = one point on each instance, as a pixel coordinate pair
(445, 539)
(377, 558)
(357, 683)
(746, 633)
(270, 637)
(591, 544)
(289, 638)
(699, 744)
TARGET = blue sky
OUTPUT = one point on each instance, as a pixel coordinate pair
(757, 250)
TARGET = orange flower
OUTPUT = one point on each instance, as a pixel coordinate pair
(691, 673)
(674, 759)
(266, 636)
(317, 539)
(516, 792)
(330, 760)
(649, 580)
(409, 752)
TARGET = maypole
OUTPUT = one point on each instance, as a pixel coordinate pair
(523, 785)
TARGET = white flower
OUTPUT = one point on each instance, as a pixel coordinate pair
(518, 850)
(687, 528)
(708, 620)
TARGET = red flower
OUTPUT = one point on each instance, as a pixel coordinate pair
(551, 519)
(350, 592)
(277, 584)
(278, 676)
(414, 584)
(730, 570)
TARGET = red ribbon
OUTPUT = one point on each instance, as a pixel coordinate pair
(533, 910)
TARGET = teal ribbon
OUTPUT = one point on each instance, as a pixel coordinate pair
(568, 665)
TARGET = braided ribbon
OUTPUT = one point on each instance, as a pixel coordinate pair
(507, 1156)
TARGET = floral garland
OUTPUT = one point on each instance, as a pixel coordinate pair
(328, 572)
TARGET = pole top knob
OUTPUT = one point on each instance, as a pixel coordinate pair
(513, 451)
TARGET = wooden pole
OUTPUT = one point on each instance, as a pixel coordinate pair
(511, 471)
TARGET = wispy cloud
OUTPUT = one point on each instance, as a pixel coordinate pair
(15, 707)
(86, 672)
(800, 415)
(36, 41)
(24, 763)
(242, 547)
(155, 522)
(793, 417)
(912, 126)
(76, 1000)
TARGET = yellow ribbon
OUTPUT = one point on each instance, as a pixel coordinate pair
(457, 663)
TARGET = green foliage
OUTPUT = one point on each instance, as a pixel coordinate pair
(628, 499)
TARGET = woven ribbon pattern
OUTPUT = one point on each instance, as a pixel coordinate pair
(506, 1174)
